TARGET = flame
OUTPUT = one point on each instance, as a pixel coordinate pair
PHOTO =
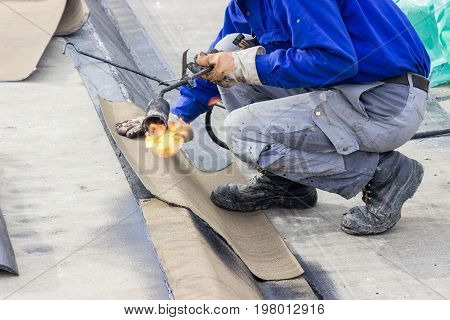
(166, 142)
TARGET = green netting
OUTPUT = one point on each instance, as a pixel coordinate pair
(431, 19)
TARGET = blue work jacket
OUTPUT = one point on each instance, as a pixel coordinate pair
(317, 44)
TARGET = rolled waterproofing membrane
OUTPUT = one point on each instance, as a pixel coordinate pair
(174, 181)
(26, 28)
(7, 257)
(74, 17)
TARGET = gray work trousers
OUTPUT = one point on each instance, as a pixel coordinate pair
(329, 139)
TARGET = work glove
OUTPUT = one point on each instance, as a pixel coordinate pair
(230, 68)
(133, 128)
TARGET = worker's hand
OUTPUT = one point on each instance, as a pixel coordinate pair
(131, 128)
(223, 64)
(232, 67)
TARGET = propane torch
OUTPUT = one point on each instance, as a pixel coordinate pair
(158, 109)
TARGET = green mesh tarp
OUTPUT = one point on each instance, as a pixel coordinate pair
(431, 19)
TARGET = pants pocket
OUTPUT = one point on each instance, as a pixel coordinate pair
(402, 127)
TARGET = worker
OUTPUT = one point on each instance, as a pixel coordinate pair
(331, 89)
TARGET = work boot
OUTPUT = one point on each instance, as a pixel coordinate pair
(396, 180)
(263, 191)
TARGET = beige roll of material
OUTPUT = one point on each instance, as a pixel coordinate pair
(26, 28)
(74, 17)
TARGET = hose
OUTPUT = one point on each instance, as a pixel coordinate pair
(160, 82)
(147, 76)
(211, 134)
(209, 129)
(430, 134)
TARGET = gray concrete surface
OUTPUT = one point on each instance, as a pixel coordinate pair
(75, 225)
(410, 262)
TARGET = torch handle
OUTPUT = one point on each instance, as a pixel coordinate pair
(202, 72)
(185, 81)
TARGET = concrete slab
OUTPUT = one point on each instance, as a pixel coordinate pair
(410, 262)
(75, 225)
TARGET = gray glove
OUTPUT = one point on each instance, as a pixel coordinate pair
(131, 128)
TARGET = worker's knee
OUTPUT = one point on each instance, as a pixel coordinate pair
(239, 124)
(245, 136)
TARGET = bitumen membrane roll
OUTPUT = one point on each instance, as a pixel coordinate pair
(74, 17)
(7, 257)
(26, 28)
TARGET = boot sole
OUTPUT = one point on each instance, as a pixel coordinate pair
(409, 192)
(268, 203)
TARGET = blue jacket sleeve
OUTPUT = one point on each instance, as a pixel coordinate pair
(195, 101)
(322, 52)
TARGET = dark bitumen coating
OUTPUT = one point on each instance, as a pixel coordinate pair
(7, 257)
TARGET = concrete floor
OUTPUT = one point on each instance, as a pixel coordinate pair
(410, 262)
(75, 225)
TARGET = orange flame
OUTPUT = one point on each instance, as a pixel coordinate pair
(166, 142)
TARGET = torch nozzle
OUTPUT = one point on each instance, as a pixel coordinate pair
(157, 114)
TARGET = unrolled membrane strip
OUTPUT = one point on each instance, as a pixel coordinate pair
(175, 181)
(196, 268)
(200, 266)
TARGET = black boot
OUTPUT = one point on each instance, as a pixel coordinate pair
(264, 191)
(396, 180)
